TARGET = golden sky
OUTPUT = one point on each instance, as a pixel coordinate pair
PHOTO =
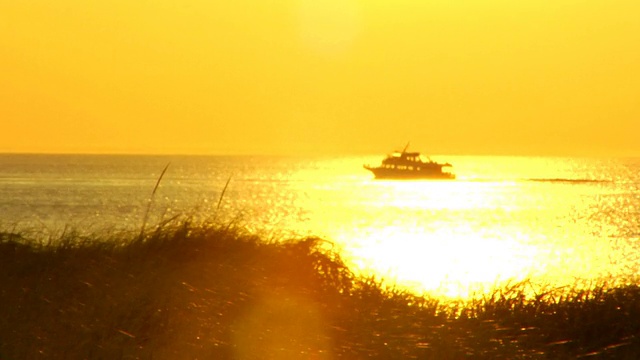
(527, 77)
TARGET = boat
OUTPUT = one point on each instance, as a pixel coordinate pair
(405, 165)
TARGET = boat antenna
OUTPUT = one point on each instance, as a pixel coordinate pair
(406, 147)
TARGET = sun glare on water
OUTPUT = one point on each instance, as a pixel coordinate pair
(428, 251)
(479, 233)
(455, 267)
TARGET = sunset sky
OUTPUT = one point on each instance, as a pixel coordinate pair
(528, 77)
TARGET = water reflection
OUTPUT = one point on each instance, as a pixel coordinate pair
(580, 222)
(445, 261)
(457, 238)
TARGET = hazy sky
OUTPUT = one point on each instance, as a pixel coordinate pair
(526, 77)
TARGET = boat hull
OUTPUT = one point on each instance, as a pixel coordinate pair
(402, 174)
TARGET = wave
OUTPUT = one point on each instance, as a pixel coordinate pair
(567, 180)
(548, 180)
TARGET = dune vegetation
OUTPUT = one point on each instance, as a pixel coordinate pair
(210, 291)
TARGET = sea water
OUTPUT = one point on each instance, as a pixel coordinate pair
(554, 221)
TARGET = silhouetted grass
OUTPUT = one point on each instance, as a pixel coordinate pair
(206, 291)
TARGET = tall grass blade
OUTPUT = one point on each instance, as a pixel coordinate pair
(221, 197)
(153, 193)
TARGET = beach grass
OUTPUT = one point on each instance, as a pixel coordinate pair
(189, 290)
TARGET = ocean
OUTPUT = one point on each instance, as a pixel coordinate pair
(551, 221)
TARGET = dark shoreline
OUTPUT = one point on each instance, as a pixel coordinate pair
(214, 291)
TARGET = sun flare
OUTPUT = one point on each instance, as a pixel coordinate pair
(470, 236)
(443, 262)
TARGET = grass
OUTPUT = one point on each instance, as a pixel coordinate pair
(200, 291)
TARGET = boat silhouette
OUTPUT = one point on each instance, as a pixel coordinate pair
(405, 165)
